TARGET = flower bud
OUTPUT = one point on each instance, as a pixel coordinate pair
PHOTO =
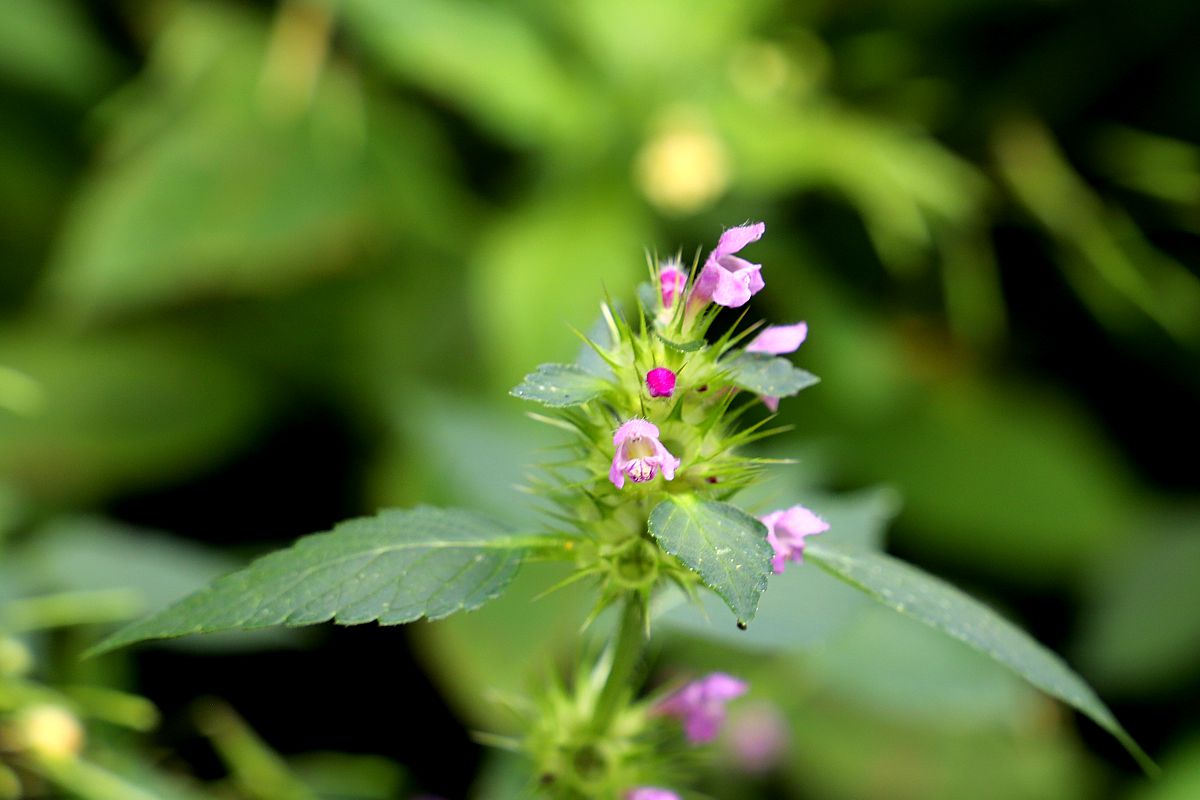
(671, 282)
(661, 382)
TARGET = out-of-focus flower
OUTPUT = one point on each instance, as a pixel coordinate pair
(786, 530)
(50, 732)
(639, 454)
(661, 382)
(777, 340)
(700, 705)
(757, 737)
(726, 279)
(650, 793)
(683, 167)
(671, 280)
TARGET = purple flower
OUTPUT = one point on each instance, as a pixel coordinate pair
(726, 279)
(700, 705)
(661, 382)
(777, 340)
(786, 530)
(671, 280)
(650, 793)
(639, 454)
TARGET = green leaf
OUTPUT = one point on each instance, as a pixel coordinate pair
(724, 545)
(683, 347)
(560, 385)
(934, 602)
(860, 518)
(769, 375)
(395, 567)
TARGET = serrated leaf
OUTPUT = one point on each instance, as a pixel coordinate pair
(560, 385)
(395, 567)
(769, 375)
(724, 545)
(683, 347)
(906, 589)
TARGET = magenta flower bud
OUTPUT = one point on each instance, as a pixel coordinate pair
(726, 279)
(786, 530)
(661, 382)
(639, 454)
(650, 793)
(700, 705)
(671, 281)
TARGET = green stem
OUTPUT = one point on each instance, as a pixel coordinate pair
(627, 652)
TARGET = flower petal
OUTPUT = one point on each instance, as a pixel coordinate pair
(735, 239)
(779, 339)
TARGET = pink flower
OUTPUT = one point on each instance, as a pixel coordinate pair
(758, 737)
(650, 793)
(701, 704)
(671, 280)
(661, 382)
(726, 279)
(786, 530)
(639, 454)
(777, 340)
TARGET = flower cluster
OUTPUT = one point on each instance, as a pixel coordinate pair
(658, 408)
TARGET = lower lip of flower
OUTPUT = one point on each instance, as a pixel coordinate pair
(640, 470)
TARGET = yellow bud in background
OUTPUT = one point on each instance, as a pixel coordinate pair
(50, 732)
(683, 167)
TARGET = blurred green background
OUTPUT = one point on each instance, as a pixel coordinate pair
(264, 266)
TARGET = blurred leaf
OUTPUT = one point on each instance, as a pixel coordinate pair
(1159, 166)
(482, 58)
(119, 411)
(907, 590)
(395, 567)
(81, 554)
(343, 776)
(1112, 264)
(769, 376)
(256, 769)
(487, 660)
(1181, 775)
(841, 751)
(541, 267)
(900, 669)
(50, 47)
(802, 608)
(424, 457)
(228, 174)
(560, 385)
(722, 544)
(504, 776)
(903, 184)
(1140, 635)
(997, 475)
